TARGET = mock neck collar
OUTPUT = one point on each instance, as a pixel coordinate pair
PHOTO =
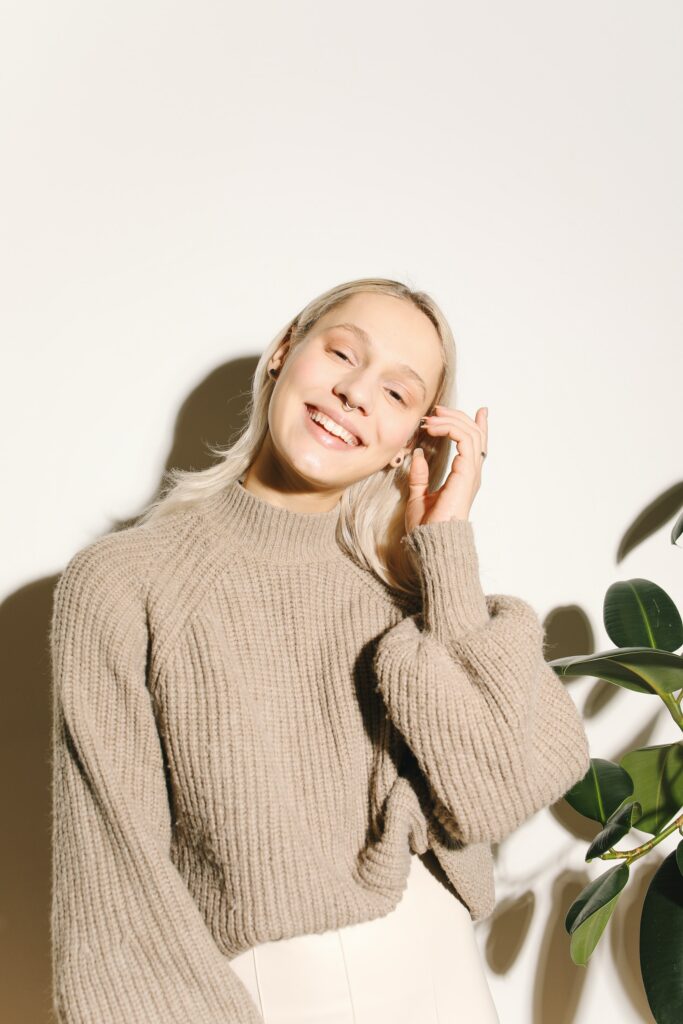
(271, 533)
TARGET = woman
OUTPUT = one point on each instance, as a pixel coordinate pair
(288, 723)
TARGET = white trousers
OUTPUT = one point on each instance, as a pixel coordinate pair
(419, 964)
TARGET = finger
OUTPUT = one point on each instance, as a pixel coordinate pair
(480, 420)
(457, 416)
(483, 422)
(418, 485)
(459, 432)
(418, 474)
(468, 445)
(443, 410)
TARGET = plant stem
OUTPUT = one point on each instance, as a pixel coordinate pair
(640, 851)
(671, 703)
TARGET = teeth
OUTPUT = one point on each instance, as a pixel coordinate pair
(331, 426)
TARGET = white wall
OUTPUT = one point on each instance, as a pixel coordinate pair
(180, 178)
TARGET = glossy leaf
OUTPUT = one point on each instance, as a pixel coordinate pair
(635, 668)
(677, 529)
(590, 912)
(657, 774)
(661, 942)
(616, 827)
(601, 791)
(598, 892)
(638, 613)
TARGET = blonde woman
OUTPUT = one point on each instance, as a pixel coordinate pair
(288, 723)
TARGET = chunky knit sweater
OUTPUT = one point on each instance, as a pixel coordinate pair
(252, 734)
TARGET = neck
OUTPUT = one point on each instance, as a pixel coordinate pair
(270, 532)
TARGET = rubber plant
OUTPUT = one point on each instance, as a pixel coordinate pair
(644, 790)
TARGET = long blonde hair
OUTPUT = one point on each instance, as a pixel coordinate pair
(372, 510)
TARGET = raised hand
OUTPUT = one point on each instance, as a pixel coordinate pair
(454, 498)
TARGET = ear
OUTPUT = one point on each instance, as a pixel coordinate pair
(278, 357)
(406, 450)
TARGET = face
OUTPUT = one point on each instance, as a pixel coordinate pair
(386, 363)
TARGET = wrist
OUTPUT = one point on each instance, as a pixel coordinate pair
(453, 602)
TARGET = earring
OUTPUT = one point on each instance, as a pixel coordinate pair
(394, 462)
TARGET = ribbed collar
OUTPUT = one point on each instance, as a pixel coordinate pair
(271, 533)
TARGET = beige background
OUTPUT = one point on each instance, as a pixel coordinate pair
(179, 179)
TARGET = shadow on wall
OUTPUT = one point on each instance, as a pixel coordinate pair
(214, 413)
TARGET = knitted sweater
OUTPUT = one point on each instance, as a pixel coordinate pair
(252, 734)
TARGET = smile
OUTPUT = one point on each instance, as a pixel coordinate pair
(334, 434)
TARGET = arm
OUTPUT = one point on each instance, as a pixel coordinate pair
(129, 944)
(492, 727)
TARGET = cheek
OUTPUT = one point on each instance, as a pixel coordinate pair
(300, 381)
(306, 370)
(391, 434)
(391, 446)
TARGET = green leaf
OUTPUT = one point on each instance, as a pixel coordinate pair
(657, 774)
(616, 827)
(642, 669)
(596, 894)
(677, 529)
(589, 913)
(601, 791)
(661, 942)
(638, 613)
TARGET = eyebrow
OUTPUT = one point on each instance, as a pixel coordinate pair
(367, 340)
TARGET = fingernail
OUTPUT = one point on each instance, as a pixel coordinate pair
(416, 450)
(486, 411)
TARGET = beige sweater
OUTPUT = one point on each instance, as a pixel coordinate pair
(251, 736)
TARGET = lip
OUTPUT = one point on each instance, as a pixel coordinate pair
(339, 418)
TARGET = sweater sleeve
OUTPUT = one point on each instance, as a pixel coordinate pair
(129, 944)
(465, 681)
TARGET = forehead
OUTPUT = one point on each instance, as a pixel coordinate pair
(385, 318)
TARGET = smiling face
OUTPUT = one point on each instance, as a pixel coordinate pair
(379, 353)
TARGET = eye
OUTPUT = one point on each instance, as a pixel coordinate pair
(338, 352)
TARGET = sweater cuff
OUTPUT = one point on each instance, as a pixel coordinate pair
(453, 602)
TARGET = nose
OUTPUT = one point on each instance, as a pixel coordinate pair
(350, 401)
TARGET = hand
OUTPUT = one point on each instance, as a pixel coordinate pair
(454, 498)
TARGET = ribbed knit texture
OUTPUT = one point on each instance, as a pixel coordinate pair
(252, 734)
